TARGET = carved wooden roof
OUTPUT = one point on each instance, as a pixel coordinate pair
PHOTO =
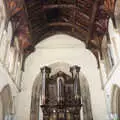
(34, 20)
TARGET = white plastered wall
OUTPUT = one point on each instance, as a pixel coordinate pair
(61, 48)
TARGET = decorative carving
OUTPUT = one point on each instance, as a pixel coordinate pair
(62, 95)
(17, 15)
(109, 5)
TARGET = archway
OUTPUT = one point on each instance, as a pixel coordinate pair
(5, 103)
(86, 112)
(115, 105)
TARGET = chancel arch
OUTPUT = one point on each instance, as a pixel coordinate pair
(61, 80)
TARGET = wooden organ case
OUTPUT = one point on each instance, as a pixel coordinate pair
(61, 95)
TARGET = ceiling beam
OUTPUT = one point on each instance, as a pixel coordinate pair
(73, 6)
(39, 9)
(59, 6)
(65, 24)
(61, 24)
(92, 20)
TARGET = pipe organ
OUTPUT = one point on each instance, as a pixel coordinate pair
(61, 95)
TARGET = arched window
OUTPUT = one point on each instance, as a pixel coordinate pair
(3, 35)
(115, 106)
(6, 100)
(14, 59)
(113, 40)
(3, 46)
(107, 55)
(8, 46)
(111, 47)
(17, 61)
(2, 19)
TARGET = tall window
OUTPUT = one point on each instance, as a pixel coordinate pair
(3, 45)
(107, 55)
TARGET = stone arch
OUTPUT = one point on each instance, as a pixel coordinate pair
(115, 104)
(6, 102)
(35, 99)
(63, 40)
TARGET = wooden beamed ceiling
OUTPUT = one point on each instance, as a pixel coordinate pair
(34, 20)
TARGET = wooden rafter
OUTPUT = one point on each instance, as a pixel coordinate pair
(109, 5)
(83, 18)
(92, 20)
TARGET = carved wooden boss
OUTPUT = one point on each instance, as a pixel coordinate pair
(61, 96)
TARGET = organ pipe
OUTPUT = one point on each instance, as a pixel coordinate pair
(45, 75)
(76, 85)
(60, 88)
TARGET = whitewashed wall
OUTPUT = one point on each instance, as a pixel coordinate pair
(61, 48)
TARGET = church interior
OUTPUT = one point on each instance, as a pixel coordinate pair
(59, 59)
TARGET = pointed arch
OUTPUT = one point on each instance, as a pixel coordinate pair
(6, 102)
(36, 90)
(115, 104)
